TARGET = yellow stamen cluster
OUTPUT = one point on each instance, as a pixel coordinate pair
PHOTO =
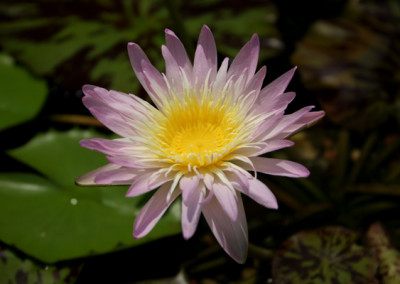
(199, 132)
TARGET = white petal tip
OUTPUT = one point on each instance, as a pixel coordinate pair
(84, 181)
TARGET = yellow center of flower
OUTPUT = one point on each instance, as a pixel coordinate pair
(198, 134)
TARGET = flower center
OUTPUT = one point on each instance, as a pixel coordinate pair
(203, 140)
(199, 134)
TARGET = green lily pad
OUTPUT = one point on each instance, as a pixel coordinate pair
(388, 256)
(52, 219)
(325, 255)
(14, 270)
(21, 95)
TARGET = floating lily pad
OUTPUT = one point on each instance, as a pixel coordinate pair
(47, 216)
(388, 256)
(21, 95)
(14, 270)
(326, 255)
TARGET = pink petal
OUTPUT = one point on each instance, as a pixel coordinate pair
(257, 149)
(191, 210)
(148, 180)
(106, 146)
(273, 105)
(246, 58)
(253, 87)
(260, 193)
(279, 167)
(178, 51)
(116, 177)
(152, 212)
(146, 73)
(305, 121)
(132, 161)
(231, 235)
(277, 87)
(88, 178)
(220, 79)
(205, 58)
(285, 122)
(129, 106)
(227, 198)
(238, 177)
(109, 117)
(188, 183)
(172, 70)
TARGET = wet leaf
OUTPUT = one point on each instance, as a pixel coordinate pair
(21, 95)
(16, 270)
(387, 255)
(325, 255)
(351, 63)
(49, 217)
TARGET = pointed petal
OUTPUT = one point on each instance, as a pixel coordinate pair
(279, 167)
(88, 178)
(188, 183)
(303, 122)
(276, 87)
(178, 51)
(116, 177)
(191, 210)
(273, 105)
(286, 122)
(147, 74)
(257, 149)
(253, 87)
(205, 58)
(148, 180)
(154, 209)
(227, 198)
(109, 117)
(129, 106)
(221, 79)
(173, 71)
(106, 146)
(260, 193)
(231, 235)
(246, 58)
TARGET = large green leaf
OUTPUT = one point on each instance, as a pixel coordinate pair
(52, 219)
(326, 255)
(21, 95)
(14, 270)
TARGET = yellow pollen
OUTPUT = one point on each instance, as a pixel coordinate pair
(202, 139)
(198, 134)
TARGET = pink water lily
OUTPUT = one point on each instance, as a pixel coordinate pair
(206, 132)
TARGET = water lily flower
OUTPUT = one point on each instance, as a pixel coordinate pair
(202, 139)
